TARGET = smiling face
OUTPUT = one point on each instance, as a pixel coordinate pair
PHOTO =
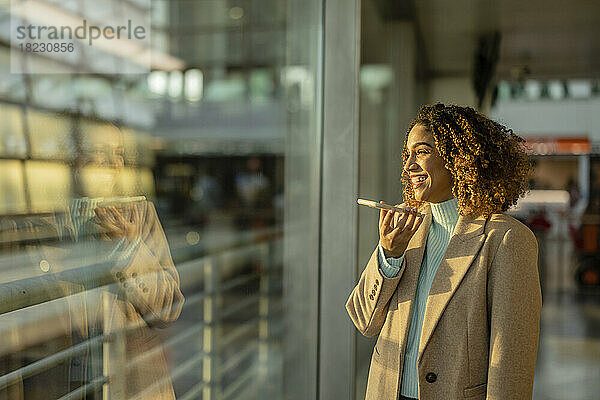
(431, 181)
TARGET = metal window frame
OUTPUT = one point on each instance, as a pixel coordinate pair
(339, 213)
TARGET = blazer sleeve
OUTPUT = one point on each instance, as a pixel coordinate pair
(514, 303)
(369, 301)
(148, 278)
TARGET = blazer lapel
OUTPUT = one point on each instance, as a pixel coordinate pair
(416, 247)
(465, 243)
(407, 286)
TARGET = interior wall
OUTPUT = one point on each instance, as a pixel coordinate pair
(456, 90)
(551, 118)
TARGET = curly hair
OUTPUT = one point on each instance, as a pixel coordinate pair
(488, 162)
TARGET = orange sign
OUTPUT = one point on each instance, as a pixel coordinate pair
(572, 145)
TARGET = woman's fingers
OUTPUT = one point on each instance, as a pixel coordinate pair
(101, 216)
(387, 219)
(397, 228)
(411, 220)
(415, 223)
(106, 223)
(408, 223)
(108, 217)
(402, 221)
(117, 216)
(396, 222)
(382, 214)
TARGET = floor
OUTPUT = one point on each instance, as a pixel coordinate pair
(568, 364)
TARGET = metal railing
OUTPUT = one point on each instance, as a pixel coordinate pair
(207, 279)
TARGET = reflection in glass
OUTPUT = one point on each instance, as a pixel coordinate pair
(187, 163)
(12, 191)
(12, 138)
(50, 136)
(97, 272)
(48, 184)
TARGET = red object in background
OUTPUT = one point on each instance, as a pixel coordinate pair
(590, 277)
(576, 237)
(590, 238)
(539, 222)
(564, 145)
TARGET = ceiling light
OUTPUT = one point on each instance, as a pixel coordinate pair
(236, 12)
(556, 90)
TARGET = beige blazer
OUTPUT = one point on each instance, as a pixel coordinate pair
(481, 325)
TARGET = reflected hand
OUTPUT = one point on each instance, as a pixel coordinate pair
(117, 224)
(395, 237)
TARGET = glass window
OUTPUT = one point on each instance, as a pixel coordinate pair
(142, 215)
(48, 184)
(12, 137)
(12, 190)
(50, 135)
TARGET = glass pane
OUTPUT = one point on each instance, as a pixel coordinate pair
(48, 184)
(50, 136)
(142, 215)
(12, 190)
(12, 136)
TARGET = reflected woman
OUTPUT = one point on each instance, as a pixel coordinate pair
(452, 290)
(106, 281)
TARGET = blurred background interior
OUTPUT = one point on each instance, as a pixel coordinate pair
(258, 126)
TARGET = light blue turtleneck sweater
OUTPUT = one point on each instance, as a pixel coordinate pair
(445, 217)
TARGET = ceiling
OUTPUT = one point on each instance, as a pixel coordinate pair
(539, 39)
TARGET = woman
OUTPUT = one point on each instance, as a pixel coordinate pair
(452, 289)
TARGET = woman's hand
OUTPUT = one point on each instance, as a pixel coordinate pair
(118, 224)
(396, 229)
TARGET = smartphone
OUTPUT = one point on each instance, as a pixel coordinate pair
(122, 204)
(120, 201)
(381, 206)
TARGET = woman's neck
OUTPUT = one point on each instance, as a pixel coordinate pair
(446, 212)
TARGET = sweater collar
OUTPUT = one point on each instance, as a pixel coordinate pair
(445, 213)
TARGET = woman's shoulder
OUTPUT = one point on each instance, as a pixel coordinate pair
(499, 224)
